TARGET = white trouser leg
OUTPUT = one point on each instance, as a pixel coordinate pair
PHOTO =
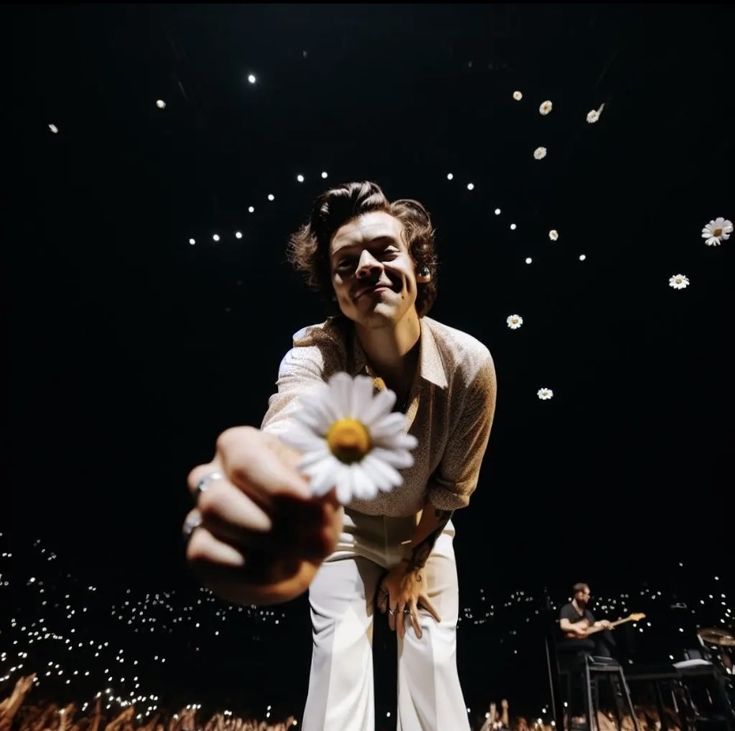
(341, 682)
(429, 694)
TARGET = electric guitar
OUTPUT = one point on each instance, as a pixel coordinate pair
(585, 625)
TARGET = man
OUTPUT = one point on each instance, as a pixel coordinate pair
(581, 633)
(258, 537)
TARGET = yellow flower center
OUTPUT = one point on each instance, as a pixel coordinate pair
(348, 440)
(717, 232)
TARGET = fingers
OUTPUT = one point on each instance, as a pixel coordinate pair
(284, 524)
(382, 601)
(400, 617)
(425, 602)
(205, 547)
(231, 512)
(261, 463)
(415, 622)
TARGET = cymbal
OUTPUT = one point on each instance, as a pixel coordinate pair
(717, 636)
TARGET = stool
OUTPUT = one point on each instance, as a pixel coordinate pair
(591, 670)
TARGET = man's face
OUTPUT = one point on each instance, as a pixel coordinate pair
(583, 596)
(373, 273)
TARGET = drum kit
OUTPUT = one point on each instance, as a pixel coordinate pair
(717, 636)
(724, 646)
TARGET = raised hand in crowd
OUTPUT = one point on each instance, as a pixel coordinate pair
(504, 719)
(9, 707)
(123, 717)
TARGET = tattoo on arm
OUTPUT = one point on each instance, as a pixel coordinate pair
(420, 553)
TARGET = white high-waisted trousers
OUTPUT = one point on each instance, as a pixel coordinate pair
(342, 598)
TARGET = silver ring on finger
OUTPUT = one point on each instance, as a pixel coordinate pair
(391, 612)
(192, 522)
(204, 482)
(407, 611)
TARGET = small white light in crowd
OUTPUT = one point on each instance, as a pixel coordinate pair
(160, 103)
(300, 178)
(251, 209)
(497, 211)
(554, 234)
(513, 227)
(54, 128)
(192, 241)
(238, 234)
(582, 257)
(215, 237)
(251, 78)
(517, 95)
(271, 197)
(470, 186)
(450, 176)
(528, 260)
(539, 153)
(324, 176)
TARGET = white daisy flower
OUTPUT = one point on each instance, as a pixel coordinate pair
(517, 95)
(350, 439)
(554, 234)
(679, 281)
(514, 321)
(544, 393)
(539, 153)
(717, 231)
(545, 107)
(594, 114)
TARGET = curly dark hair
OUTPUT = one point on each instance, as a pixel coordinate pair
(308, 248)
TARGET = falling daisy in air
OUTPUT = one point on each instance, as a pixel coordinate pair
(679, 281)
(351, 439)
(717, 231)
(545, 394)
(514, 321)
(594, 114)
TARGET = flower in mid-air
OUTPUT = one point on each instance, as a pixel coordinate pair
(514, 321)
(679, 281)
(717, 231)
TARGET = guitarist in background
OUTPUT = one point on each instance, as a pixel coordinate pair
(580, 632)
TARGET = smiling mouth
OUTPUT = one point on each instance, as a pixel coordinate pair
(374, 290)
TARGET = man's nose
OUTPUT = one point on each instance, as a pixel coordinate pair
(366, 265)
